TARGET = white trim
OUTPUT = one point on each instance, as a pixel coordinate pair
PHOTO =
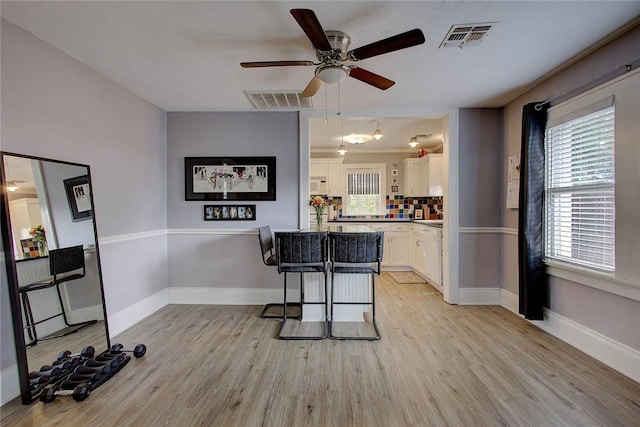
(488, 230)
(614, 354)
(510, 301)
(602, 281)
(129, 316)
(203, 232)
(228, 296)
(479, 296)
(133, 236)
(86, 313)
(9, 384)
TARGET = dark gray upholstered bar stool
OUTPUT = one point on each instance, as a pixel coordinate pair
(356, 253)
(269, 259)
(65, 265)
(302, 252)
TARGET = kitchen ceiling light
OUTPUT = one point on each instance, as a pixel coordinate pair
(413, 142)
(342, 150)
(357, 139)
(12, 186)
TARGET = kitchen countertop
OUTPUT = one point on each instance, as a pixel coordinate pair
(371, 220)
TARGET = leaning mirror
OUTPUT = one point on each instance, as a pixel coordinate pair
(52, 262)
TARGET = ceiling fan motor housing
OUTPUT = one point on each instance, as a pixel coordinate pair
(340, 43)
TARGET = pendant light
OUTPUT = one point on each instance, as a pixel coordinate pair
(378, 132)
(342, 149)
(12, 186)
(413, 142)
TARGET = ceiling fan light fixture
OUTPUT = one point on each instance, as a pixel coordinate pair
(413, 142)
(12, 186)
(331, 74)
(342, 150)
(378, 134)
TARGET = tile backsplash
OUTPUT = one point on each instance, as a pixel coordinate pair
(399, 207)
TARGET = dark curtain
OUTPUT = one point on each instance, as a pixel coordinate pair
(532, 277)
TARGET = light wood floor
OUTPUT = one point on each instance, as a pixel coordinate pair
(436, 365)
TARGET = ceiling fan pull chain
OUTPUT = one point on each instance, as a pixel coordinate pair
(326, 107)
(339, 112)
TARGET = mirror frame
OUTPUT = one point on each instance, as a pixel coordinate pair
(12, 273)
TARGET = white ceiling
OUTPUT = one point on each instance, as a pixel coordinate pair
(185, 56)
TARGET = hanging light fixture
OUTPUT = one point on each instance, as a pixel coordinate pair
(12, 186)
(413, 142)
(342, 150)
(378, 132)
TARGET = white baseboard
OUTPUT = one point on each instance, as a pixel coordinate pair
(9, 384)
(86, 313)
(127, 317)
(618, 356)
(479, 296)
(229, 296)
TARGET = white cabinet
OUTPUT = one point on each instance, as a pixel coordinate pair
(325, 176)
(424, 176)
(25, 214)
(431, 175)
(411, 177)
(396, 241)
(425, 256)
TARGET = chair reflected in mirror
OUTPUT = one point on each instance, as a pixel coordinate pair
(65, 265)
(302, 253)
(355, 253)
(274, 310)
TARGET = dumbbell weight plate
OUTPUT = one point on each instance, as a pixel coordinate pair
(139, 350)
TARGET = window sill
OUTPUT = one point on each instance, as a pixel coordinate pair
(602, 281)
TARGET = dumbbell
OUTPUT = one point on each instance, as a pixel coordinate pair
(101, 369)
(92, 377)
(79, 392)
(138, 351)
(51, 371)
(67, 364)
(36, 378)
(86, 352)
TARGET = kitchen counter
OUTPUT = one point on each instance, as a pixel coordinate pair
(431, 222)
(371, 220)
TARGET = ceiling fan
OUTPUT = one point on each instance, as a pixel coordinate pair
(332, 51)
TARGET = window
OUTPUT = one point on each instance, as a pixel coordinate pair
(580, 188)
(364, 187)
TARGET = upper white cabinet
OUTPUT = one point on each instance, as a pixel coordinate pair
(424, 176)
(412, 177)
(432, 175)
(325, 176)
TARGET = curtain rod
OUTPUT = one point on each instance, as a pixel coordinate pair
(618, 71)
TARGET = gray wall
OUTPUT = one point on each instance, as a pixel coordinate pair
(611, 315)
(232, 259)
(55, 107)
(480, 156)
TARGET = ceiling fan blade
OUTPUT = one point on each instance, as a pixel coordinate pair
(371, 78)
(260, 64)
(311, 88)
(309, 23)
(397, 42)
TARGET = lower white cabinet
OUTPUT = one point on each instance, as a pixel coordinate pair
(425, 253)
(396, 240)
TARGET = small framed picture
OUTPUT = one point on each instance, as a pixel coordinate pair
(394, 188)
(229, 212)
(394, 172)
(79, 196)
(417, 214)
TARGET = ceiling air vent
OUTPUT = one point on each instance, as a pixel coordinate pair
(467, 34)
(288, 100)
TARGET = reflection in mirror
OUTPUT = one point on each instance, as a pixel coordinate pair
(57, 281)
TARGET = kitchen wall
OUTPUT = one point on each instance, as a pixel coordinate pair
(601, 323)
(55, 107)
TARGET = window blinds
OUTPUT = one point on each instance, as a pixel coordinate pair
(363, 182)
(580, 190)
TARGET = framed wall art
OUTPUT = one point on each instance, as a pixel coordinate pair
(79, 197)
(230, 178)
(229, 212)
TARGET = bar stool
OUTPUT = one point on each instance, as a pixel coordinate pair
(356, 253)
(65, 265)
(269, 259)
(302, 252)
